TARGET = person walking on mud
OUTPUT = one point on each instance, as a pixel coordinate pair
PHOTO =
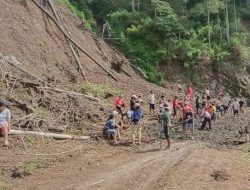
(242, 103)
(165, 124)
(152, 103)
(206, 119)
(236, 107)
(136, 128)
(5, 124)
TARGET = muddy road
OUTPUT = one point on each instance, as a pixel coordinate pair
(213, 160)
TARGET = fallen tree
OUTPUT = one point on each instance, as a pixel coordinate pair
(71, 93)
(49, 135)
(73, 41)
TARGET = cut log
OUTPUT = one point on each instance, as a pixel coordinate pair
(72, 93)
(72, 41)
(49, 135)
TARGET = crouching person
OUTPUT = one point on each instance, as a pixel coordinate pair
(112, 129)
(136, 128)
(5, 122)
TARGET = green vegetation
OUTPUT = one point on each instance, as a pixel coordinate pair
(191, 32)
(30, 167)
(3, 188)
(99, 90)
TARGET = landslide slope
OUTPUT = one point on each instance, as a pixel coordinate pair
(33, 42)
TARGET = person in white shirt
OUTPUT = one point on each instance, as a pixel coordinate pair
(152, 102)
(236, 107)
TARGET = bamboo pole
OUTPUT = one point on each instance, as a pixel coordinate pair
(68, 42)
(72, 41)
(71, 93)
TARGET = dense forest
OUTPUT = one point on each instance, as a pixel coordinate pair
(195, 33)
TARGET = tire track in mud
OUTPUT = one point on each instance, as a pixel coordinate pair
(142, 172)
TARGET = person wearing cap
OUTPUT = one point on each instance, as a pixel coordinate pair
(136, 128)
(165, 123)
(133, 102)
(111, 128)
(5, 124)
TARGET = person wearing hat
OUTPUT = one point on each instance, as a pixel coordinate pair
(133, 102)
(5, 124)
(165, 123)
(136, 119)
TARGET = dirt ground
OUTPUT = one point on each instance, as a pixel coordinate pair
(99, 165)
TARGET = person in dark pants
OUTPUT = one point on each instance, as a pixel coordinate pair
(207, 119)
(197, 104)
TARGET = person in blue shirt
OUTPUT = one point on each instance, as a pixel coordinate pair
(5, 124)
(112, 128)
(136, 127)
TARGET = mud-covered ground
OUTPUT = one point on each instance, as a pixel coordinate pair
(210, 161)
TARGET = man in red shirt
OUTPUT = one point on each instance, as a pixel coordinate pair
(190, 92)
(119, 104)
(175, 105)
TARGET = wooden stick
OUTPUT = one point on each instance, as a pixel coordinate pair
(72, 41)
(72, 93)
(68, 42)
(48, 135)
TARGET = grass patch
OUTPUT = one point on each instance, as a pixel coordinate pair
(3, 188)
(42, 112)
(30, 167)
(99, 90)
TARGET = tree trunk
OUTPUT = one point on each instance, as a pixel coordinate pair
(208, 22)
(235, 17)
(248, 3)
(227, 21)
(49, 135)
(219, 22)
(133, 5)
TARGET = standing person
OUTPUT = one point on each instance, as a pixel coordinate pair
(140, 100)
(190, 91)
(152, 102)
(206, 119)
(165, 123)
(5, 124)
(175, 106)
(133, 102)
(236, 107)
(197, 104)
(207, 92)
(242, 103)
(120, 104)
(136, 127)
(189, 121)
(161, 103)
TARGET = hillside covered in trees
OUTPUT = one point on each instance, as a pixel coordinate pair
(196, 34)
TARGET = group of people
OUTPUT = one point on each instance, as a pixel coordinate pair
(184, 111)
